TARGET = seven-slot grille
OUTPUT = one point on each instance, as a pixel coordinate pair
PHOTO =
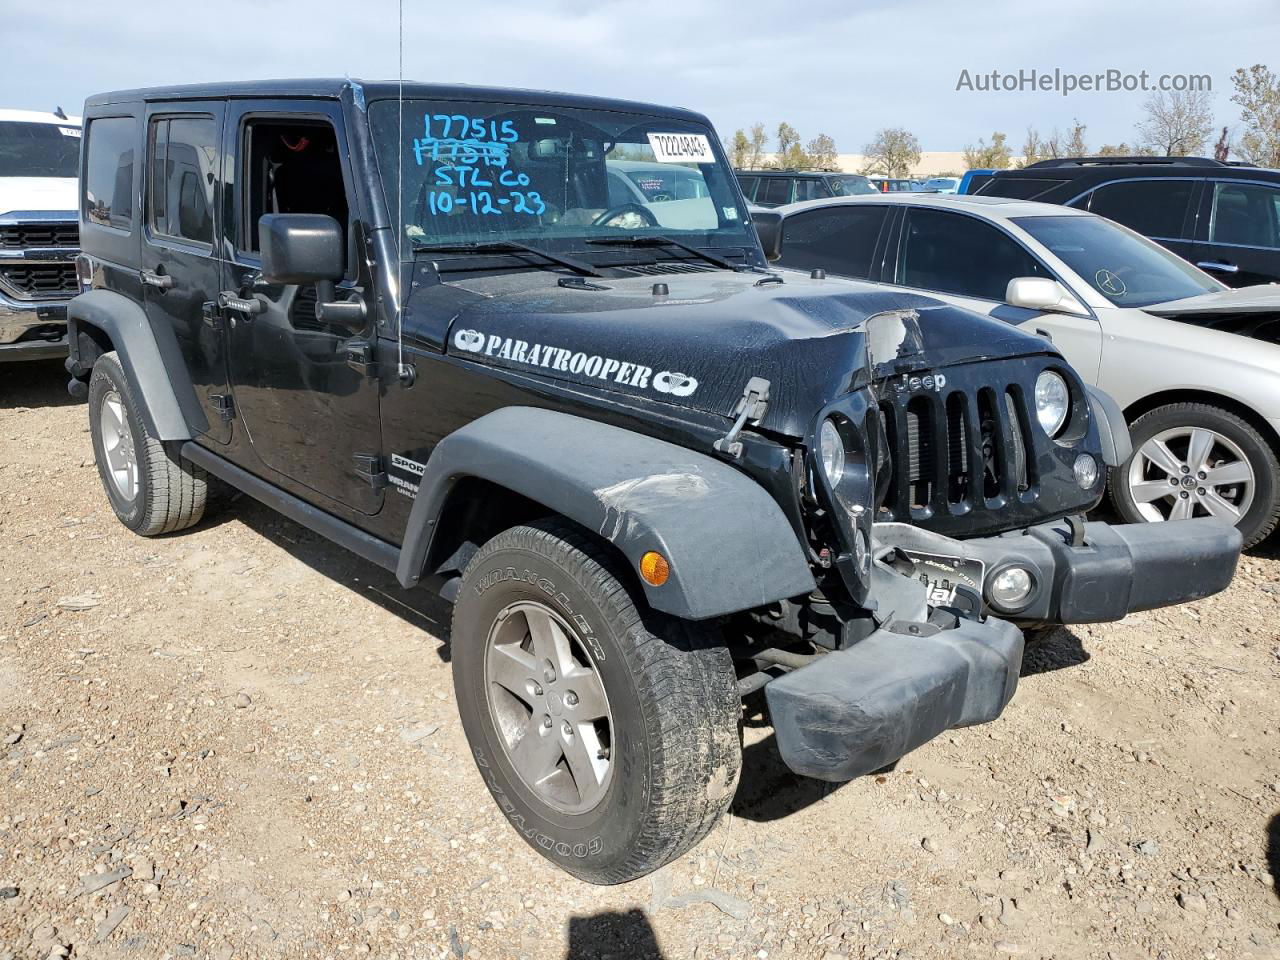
(33, 280)
(20, 236)
(953, 451)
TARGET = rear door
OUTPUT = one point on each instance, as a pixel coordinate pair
(839, 239)
(309, 416)
(773, 191)
(179, 269)
(1241, 246)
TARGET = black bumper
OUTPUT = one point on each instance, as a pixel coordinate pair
(860, 709)
(1118, 570)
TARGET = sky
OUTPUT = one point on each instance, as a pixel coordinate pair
(845, 68)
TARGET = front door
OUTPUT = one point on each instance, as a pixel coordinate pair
(307, 414)
(181, 275)
(1241, 246)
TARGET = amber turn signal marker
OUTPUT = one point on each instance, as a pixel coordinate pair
(654, 569)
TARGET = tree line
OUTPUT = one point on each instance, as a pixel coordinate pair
(1173, 124)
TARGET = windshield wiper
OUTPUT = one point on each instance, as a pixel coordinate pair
(657, 240)
(508, 246)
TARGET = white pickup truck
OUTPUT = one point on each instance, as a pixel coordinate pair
(39, 235)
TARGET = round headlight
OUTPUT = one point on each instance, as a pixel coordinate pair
(1011, 588)
(831, 446)
(1053, 402)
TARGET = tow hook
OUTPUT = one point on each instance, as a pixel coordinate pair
(752, 405)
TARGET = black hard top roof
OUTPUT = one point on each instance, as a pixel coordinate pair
(331, 89)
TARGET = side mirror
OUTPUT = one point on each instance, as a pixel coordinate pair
(301, 248)
(1043, 294)
(769, 229)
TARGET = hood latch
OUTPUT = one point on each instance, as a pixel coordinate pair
(752, 405)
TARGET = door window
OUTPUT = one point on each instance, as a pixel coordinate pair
(839, 240)
(108, 180)
(748, 185)
(1155, 208)
(1246, 214)
(813, 189)
(954, 253)
(182, 153)
(774, 191)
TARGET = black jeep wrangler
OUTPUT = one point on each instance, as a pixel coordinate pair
(453, 333)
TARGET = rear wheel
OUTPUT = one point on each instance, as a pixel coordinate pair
(607, 734)
(1196, 460)
(152, 489)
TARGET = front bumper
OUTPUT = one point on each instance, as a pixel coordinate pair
(859, 709)
(1119, 569)
(32, 330)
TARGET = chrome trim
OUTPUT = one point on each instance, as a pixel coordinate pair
(1218, 267)
(17, 217)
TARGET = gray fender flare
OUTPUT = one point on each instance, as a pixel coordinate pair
(169, 402)
(728, 543)
(1112, 428)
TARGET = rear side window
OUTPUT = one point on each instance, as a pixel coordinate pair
(181, 154)
(1155, 208)
(811, 190)
(839, 240)
(953, 253)
(1016, 188)
(748, 185)
(108, 180)
(1246, 214)
(775, 191)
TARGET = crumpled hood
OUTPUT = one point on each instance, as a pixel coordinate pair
(698, 344)
(1246, 311)
(25, 194)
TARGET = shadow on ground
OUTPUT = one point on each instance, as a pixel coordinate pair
(1273, 852)
(612, 935)
(1056, 650)
(34, 383)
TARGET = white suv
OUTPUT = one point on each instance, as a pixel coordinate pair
(39, 236)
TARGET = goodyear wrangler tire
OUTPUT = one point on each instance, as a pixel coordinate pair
(607, 734)
(151, 488)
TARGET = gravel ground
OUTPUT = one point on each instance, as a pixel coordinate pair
(240, 741)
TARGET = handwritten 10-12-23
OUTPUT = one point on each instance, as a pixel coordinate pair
(470, 157)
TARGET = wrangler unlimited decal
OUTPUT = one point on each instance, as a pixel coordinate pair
(575, 362)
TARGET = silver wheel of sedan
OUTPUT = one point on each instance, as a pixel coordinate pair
(548, 704)
(1190, 472)
(118, 446)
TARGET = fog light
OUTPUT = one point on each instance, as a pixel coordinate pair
(1086, 470)
(1011, 588)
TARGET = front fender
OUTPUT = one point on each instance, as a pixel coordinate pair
(728, 543)
(162, 387)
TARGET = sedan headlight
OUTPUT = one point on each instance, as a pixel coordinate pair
(1053, 402)
(831, 447)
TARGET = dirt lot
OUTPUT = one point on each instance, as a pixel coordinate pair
(241, 742)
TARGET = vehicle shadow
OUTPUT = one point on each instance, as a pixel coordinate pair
(613, 935)
(1057, 651)
(34, 383)
(1273, 853)
(419, 607)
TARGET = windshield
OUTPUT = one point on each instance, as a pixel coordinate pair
(851, 186)
(553, 176)
(1127, 269)
(38, 149)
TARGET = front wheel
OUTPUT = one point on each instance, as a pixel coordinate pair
(607, 735)
(1196, 460)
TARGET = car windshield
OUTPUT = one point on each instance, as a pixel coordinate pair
(1127, 269)
(38, 149)
(851, 186)
(553, 176)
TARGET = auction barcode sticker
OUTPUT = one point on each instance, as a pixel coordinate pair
(681, 148)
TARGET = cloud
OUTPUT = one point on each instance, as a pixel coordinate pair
(838, 67)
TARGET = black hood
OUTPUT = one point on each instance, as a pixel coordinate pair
(698, 344)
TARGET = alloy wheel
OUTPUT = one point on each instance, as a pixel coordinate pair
(1187, 472)
(118, 446)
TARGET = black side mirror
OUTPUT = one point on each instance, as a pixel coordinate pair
(301, 248)
(769, 229)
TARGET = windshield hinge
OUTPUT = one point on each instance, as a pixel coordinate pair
(752, 406)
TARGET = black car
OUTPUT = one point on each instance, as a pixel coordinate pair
(773, 188)
(651, 475)
(1223, 217)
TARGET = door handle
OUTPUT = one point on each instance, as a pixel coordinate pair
(1218, 266)
(161, 281)
(230, 300)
